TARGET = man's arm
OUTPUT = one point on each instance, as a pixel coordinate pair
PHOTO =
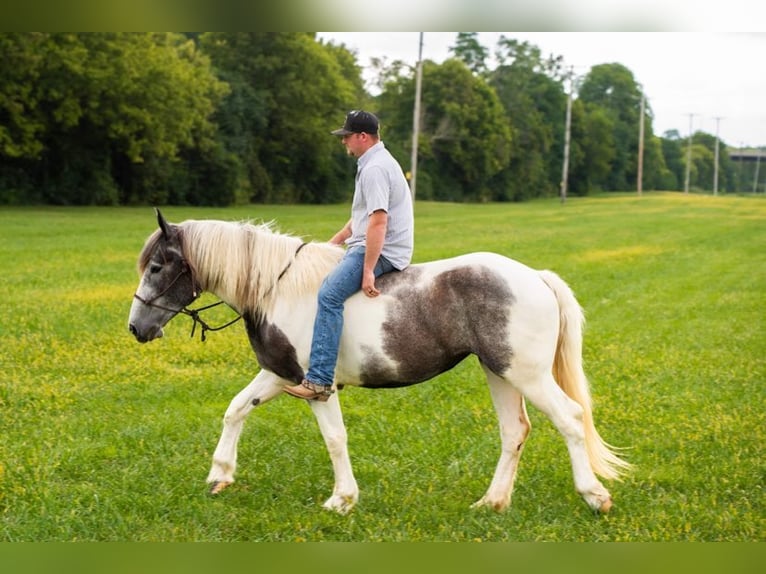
(376, 235)
(342, 235)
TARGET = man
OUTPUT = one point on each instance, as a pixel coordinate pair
(379, 238)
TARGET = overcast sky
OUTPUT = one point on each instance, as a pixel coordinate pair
(707, 74)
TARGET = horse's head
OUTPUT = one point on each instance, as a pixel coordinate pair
(167, 283)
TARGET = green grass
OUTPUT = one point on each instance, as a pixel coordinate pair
(104, 439)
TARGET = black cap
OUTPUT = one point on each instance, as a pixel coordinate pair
(358, 121)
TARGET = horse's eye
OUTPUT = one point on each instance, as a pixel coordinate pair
(155, 268)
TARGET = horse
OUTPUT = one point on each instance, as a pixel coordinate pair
(524, 325)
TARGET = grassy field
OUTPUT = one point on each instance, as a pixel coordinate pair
(102, 439)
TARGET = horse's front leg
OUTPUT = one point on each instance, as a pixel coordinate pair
(345, 493)
(264, 387)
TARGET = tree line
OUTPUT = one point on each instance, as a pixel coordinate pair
(227, 118)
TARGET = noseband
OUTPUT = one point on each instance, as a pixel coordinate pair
(193, 313)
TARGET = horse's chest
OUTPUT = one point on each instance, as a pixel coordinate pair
(274, 350)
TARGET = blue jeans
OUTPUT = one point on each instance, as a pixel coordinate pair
(339, 285)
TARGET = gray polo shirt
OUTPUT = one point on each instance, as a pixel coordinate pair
(380, 184)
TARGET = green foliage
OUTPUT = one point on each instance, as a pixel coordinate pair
(594, 149)
(287, 90)
(102, 104)
(232, 118)
(526, 56)
(612, 88)
(534, 103)
(103, 439)
(465, 135)
(672, 152)
(20, 129)
(468, 49)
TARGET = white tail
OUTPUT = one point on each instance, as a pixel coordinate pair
(570, 376)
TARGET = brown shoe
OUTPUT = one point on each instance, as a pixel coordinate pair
(310, 391)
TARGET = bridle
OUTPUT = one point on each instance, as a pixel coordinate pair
(194, 313)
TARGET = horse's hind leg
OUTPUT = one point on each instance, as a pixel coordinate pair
(263, 387)
(514, 428)
(566, 415)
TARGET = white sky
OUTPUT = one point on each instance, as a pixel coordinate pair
(709, 74)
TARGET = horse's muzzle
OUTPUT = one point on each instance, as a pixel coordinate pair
(148, 335)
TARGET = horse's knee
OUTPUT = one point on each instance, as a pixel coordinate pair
(239, 408)
(232, 416)
(336, 443)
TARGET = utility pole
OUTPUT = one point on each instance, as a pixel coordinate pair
(640, 175)
(741, 179)
(416, 119)
(715, 168)
(757, 166)
(689, 156)
(567, 130)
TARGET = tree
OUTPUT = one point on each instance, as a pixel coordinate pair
(535, 104)
(466, 131)
(464, 136)
(104, 109)
(659, 176)
(468, 49)
(593, 137)
(674, 159)
(19, 129)
(703, 162)
(613, 88)
(289, 91)
(512, 52)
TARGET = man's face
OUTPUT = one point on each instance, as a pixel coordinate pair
(356, 143)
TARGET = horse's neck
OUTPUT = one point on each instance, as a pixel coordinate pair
(249, 266)
(304, 273)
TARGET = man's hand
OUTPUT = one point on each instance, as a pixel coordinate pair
(368, 284)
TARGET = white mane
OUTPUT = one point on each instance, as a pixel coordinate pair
(241, 262)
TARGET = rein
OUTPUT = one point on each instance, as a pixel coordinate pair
(194, 313)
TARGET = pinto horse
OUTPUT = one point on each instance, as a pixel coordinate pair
(525, 327)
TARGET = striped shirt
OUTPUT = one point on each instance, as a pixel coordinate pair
(380, 184)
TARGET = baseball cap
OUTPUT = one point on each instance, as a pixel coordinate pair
(358, 121)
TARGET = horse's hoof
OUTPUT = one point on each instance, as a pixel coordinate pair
(218, 486)
(605, 506)
(497, 506)
(342, 504)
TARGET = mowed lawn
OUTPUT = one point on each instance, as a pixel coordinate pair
(103, 439)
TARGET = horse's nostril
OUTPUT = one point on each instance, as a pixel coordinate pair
(133, 329)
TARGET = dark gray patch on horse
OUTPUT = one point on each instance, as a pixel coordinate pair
(273, 349)
(432, 327)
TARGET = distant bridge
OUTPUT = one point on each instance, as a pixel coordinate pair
(747, 155)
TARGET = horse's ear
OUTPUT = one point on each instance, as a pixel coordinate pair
(164, 225)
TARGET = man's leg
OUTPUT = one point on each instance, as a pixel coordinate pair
(339, 285)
